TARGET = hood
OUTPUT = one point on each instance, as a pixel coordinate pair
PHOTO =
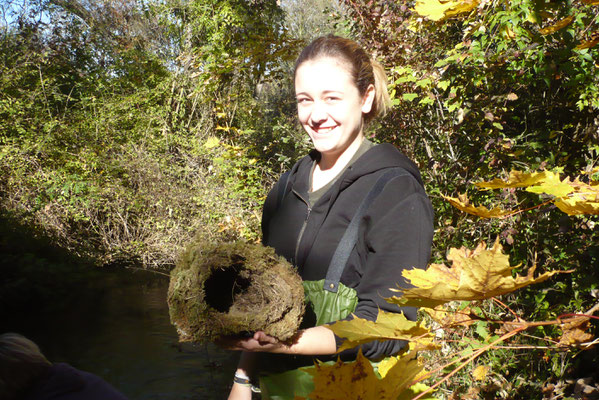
(379, 157)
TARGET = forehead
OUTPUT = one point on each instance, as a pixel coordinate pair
(324, 74)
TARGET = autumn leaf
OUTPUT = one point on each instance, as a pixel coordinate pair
(438, 10)
(388, 326)
(474, 275)
(572, 197)
(357, 380)
(463, 203)
(587, 44)
(584, 199)
(480, 372)
(574, 329)
(553, 186)
(447, 318)
(557, 26)
(574, 206)
(518, 179)
(575, 335)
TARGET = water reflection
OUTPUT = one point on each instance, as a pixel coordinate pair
(122, 332)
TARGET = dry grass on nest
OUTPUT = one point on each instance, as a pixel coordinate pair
(223, 289)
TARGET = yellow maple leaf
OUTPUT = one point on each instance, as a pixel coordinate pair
(576, 206)
(357, 380)
(388, 326)
(584, 199)
(463, 203)
(518, 179)
(553, 186)
(438, 10)
(474, 275)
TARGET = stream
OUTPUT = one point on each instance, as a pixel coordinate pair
(122, 333)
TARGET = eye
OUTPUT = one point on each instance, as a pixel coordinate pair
(332, 99)
(302, 100)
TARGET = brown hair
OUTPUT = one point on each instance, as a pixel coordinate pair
(21, 364)
(364, 70)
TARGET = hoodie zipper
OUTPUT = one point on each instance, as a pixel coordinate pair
(301, 233)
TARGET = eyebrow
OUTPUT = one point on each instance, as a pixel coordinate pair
(324, 92)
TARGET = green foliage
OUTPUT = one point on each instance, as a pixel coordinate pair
(510, 85)
(108, 117)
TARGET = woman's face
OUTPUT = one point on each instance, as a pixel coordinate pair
(329, 105)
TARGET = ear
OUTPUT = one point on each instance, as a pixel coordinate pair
(368, 99)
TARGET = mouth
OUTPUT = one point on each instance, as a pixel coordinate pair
(323, 129)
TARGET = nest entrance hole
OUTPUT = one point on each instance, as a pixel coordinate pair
(223, 285)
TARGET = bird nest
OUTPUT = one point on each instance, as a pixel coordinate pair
(224, 289)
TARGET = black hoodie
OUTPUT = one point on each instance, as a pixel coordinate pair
(395, 233)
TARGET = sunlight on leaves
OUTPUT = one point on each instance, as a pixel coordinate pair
(438, 10)
(358, 380)
(474, 275)
(388, 326)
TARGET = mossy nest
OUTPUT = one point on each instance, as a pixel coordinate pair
(224, 289)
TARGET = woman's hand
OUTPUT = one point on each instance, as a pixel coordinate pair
(259, 342)
(313, 341)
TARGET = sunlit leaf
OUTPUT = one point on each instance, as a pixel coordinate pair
(553, 186)
(388, 326)
(463, 203)
(576, 206)
(211, 142)
(437, 10)
(575, 333)
(588, 44)
(480, 372)
(518, 179)
(474, 275)
(557, 26)
(357, 380)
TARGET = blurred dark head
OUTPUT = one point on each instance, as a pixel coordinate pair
(21, 364)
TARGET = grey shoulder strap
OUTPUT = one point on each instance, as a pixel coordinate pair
(350, 236)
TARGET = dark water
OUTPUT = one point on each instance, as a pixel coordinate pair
(121, 331)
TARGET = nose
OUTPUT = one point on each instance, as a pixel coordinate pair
(318, 113)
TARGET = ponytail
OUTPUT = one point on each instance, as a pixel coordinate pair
(382, 101)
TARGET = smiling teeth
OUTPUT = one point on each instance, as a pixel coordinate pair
(325, 130)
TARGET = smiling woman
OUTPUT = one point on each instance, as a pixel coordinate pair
(350, 216)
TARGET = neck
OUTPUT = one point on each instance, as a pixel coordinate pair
(331, 164)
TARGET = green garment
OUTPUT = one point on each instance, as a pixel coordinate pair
(328, 307)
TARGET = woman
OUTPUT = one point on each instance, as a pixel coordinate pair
(339, 89)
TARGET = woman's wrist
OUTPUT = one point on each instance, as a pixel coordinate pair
(242, 379)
